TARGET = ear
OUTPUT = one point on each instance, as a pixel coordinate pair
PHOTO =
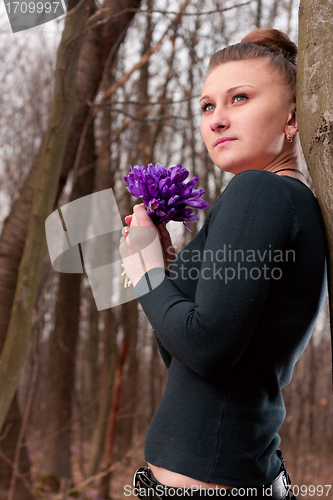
(291, 125)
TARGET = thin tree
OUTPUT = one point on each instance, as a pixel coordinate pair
(63, 340)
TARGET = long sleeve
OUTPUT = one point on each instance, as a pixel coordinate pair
(166, 357)
(251, 223)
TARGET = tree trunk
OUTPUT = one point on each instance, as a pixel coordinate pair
(106, 388)
(89, 73)
(129, 322)
(112, 421)
(315, 110)
(63, 340)
(259, 13)
(92, 351)
(7, 453)
(129, 311)
(98, 44)
(273, 13)
(15, 348)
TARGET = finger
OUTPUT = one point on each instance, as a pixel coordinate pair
(124, 247)
(134, 221)
(142, 217)
(128, 219)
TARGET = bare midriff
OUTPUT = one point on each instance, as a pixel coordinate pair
(171, 478)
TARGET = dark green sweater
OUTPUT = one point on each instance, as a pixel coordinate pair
(231, 319)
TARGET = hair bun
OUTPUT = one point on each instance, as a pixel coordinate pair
(275, 40)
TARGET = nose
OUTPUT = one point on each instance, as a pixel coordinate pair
(218, 120)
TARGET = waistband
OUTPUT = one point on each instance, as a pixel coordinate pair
(149, 488)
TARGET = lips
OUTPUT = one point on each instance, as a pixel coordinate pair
(223, 140)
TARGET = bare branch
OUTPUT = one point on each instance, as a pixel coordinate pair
(138, 103)
(121, 82)
(149, 13)
(145, 56)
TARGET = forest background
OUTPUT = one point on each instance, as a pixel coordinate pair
(93, 379)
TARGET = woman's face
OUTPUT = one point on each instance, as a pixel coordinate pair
(246, 102)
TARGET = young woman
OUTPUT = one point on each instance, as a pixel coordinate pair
(234, 311)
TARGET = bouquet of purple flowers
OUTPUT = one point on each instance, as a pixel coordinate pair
(165, 195)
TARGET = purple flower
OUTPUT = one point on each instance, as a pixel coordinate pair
(165, 194)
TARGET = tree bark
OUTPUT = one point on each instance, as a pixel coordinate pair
(17, 343)
(112, 421)
(105, 177)
(106, 388)
(7, 453)
(129, 400)
(92, 350)
(63, 340)
(97, 44)
(15, 348)
(129, 311)
(89, 74)
(259, 13)
(315, 111)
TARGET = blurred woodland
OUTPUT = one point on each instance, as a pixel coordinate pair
(93, 379)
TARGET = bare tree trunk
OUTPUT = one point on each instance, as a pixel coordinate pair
(16, 346)
(92, 352)
(315, 110)
(145, 133)
(259, 13)
(289, 8)
(89, 74)
(10, 432)
(273, 13)
(129, 311)
(105, 178)
(17, 343)
(106, 388)
(99, 48)
(60, 381)
(112, 421)
(129, 321)
(190, 92)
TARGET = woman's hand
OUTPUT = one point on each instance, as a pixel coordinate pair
(169, 251)
(141, 249)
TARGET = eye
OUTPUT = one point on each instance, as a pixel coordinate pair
(207, 106)
(237, 96)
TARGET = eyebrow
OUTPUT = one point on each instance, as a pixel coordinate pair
(230, 91)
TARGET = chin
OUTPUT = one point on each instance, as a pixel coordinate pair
(230, 169)
(233, 167)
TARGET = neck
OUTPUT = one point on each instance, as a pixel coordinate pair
(289, 161)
